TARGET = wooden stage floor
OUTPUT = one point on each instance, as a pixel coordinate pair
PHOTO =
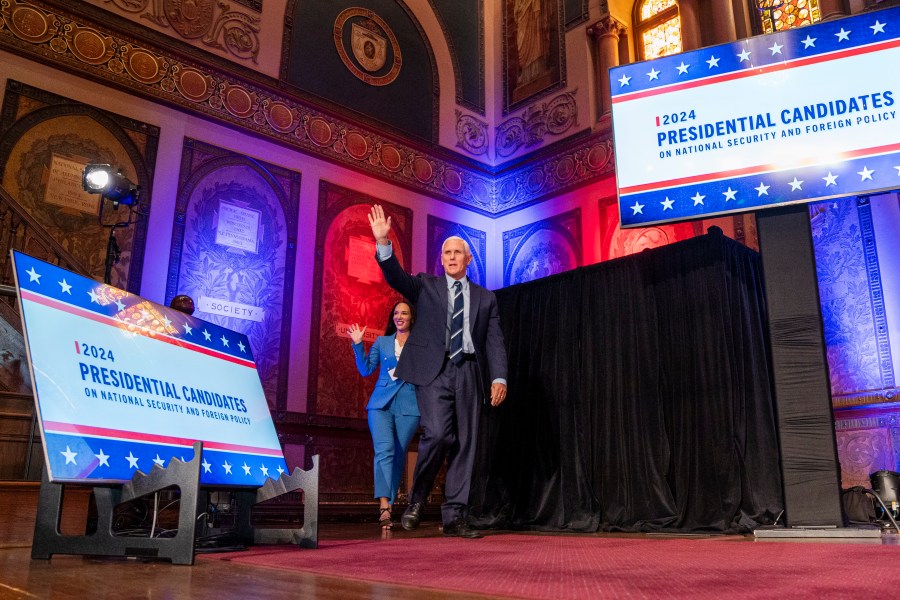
(90, 578)
(85, 578)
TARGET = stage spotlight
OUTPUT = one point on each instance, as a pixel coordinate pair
(114, 186)
(109, 183)
(887, 485)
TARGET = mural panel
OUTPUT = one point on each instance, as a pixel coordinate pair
(844, 295)
(233, 252)
(544, 248)
(617, 242)
(533, 50)
(348, 287)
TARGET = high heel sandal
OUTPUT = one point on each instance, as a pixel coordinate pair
(385, 521)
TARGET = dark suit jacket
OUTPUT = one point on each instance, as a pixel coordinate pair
(425, 349)
(381, 357)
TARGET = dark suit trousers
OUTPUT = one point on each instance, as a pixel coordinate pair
(449, 408)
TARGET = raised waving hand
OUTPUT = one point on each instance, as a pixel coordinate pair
(381, 225)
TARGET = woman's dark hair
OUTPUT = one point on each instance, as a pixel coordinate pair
(391, 329)
(183, 303)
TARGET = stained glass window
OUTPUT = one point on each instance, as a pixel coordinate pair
(654, 7)
(662, 40)
(658, 28)
(777, 15)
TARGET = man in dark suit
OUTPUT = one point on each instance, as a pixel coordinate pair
(456, 359)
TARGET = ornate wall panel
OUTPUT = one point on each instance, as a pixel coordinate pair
(439, 230)
(744, 225)
(471, 134)
(868, 441)
(877, 294)
(345, 449)
(348, 287)
(234, 250)
(553, 173)
(555, 117)
(847, 311)
(346, 468)
(543, 248)
(14, 375)
(857, 340)
(45, 142)
(617, 242)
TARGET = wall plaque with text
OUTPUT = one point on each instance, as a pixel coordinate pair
(64, 187)
(238, 227)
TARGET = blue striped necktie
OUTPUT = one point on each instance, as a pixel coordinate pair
(456, 324)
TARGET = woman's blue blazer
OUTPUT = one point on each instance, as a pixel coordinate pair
(381, 357)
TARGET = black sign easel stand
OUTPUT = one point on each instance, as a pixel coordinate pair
(179, 549)
(305, 537)
(103, 542)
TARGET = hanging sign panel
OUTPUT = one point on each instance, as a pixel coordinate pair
(795, 116)
(122, 384)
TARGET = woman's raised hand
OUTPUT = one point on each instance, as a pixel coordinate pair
(356, 334)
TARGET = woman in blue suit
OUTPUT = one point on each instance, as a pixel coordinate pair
(393, 411)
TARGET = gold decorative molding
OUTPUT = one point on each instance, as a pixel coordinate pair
(555, 116)
(870, 398)
(471, 134)
(567, 169)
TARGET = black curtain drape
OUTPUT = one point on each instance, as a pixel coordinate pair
(639, 398)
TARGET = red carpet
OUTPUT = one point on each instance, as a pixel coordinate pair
(582, 567)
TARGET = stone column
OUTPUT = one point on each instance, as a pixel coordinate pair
(723, 29)
(832, 9)
(690, 25)
(606, 33)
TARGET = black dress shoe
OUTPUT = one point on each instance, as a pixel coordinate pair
(461, 528)
(411, 516)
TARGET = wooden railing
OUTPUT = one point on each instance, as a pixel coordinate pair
(19, 444)
(20, 231)
(20, 441)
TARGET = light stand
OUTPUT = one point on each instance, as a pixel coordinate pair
(112, 185)
(113, 252)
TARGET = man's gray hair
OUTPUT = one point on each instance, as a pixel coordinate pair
(456, 237)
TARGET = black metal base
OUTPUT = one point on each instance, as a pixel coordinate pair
(305, 537)
(180, 548)
(103, 542)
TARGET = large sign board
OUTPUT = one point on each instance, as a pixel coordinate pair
(800, 115)
(122, 384)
